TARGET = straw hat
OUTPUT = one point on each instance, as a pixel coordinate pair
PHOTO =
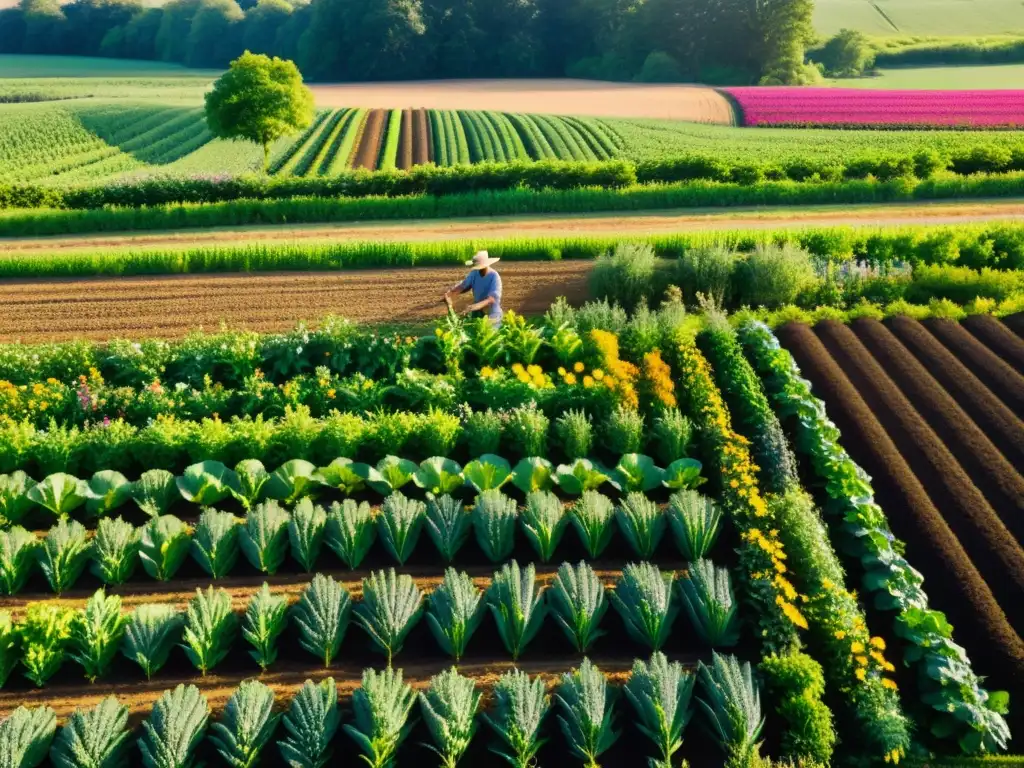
(481, 259)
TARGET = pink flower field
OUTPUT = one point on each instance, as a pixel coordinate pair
(853, 107)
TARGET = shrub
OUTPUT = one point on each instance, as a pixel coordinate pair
(14, 500)
(174, 729)
(625, 276)
(624, 431)
(247, 725)
(520, 705)
(643, 598)
(26, 735)
(482, 432)
(797, 683)
(575, 432)
(848, 54)
(210, 628)
(578, 604)
(165, 543)
(732, 705)
(660, 693)
(543, 520)
(706, 272)
(494, 521)
(593, 515)
(517, 606)
(266, 616)
(264, 537)
(150, 634)
(322, 615)
(93, 738)
(115, 550)
(391, 606)
(306, 529)
(448, 525)
(695, 522)
(526, 429)
(381, 708)
(673, 434)
(449, 708)
(707, 595)
(642, 524)
(96, 634)
(587, 712)
(215, 544)
(18, 550)
(44, 635)
(454, 612)
(772, 276)
(311, 721)
(64, 553)
(350, 531)
(400, 523)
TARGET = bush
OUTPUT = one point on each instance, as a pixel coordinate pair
(797, 684)
(660, 67)
(848, 54)
(772, 276)
(625, 276)
(707, 272)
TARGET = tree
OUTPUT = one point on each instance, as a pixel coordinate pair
(259, 99)
(848, 54)
(214, 34)
(262, 24)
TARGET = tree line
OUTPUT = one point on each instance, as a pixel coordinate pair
(714, 41)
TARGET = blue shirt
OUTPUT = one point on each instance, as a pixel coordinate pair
(484, 287)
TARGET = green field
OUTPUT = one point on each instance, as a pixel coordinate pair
(920, 17)
(13, 65)
(993, 77)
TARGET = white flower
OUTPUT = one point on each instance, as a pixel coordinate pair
(298, 350)
(137, 347)
(181, 386)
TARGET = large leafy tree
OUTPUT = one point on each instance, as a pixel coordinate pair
(259, 99)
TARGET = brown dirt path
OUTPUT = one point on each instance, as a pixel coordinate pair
(40, 310)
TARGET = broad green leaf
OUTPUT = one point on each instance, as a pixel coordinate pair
(155, 492)
(292, 481)
(580, 476)
(343, 474)
(207, 483)
(637, 472)
(439, 475)
(487, 473)
(60, 493)
(252, 479)
(390, 474)
(683, 474)
(533, 474)
(14, 499)
(108, 490)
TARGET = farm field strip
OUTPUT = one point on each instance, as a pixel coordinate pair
(367, 151)
(1000, 339)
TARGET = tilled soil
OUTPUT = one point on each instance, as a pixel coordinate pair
(367, 151)
(405, 141)
(997, 337)
(173, 305)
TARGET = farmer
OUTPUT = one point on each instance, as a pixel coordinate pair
(486, 286)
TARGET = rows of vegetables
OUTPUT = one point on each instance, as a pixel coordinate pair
(558, 469)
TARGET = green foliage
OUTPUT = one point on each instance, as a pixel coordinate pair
(215, 542)
(390, 474)
(449, 708)
(454, 612)
(643, 598)
(342, 474)
(660, 692)
(732, 706)
(155, 492)
(772, 276)
(481, 432)
(322, 616)
(587, 711)
(400, 522)
(487, 473)
(624, 276)
(210, 628)
(18, 550)
(292, 481)
(636, 472)
(526, 430)
(206, 483)
(266, 616)
(848, 54)
(533, 474)
(707, 595)
(311, 721)
(642, 524)
(683, 474)
(521, 340)
(707, 272)
(10, 640)
(306, 530)
(165, 542)
(797, 682)
(439, 475)
(247, 725)
(60, 493)
(520, 705)
(517, 606)
(494, 521)
(96, 634)
(381, 706)
(448, 524)
(543, 520)
(14, 498)
(350, 531)
(252, 479)
(94, 738)
(695, 521)
(593, 515)
(578, 603)
(25, 736)
(581, 476)
(575, 433)
(108, 490)
(150, 635)
(64, 553)
(673, 434)
(264, 537)
(115, 550)
(174, 729)
(624, 431)
(391, 606)
(44, 634)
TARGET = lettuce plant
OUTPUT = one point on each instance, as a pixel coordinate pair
(643, 598)
(206, 483)
(18, 550)
(94, 738)
(578, 602)
(264, 537)
(292, 481)
(732, 706)
(400, 523)
(391, 606)
(449, 709)
(520, 705)
(155, 492)
(322, 616)
(533, 474)
(10, 644)
(707, 595)
(96, 634)
(660, 693)
(252, 480)
(350, 531)
(45, 633)
(642, 524)
(391, 474)
(580, 476)
(150, 635)
(587, 711)
(215, 543)
(14, 500)
(592, 516)
(210, 629)
(64, 553)
(439, 475)
(343, 475)
(381, 707)
(695, 522)
(247, 725)
(115, 550)
(265, 619)
(306, 530)
(543, 520)
(108, 490)
(454, 612)
(165, 544)
(517, 606)
(25, 737)
(448, 525)
(60, 494)
(638, 473)
(683, 474)
(311, 721)
(487, 473)
(174, 729)
(494, 521)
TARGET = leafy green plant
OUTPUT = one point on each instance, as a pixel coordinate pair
(155, 492)
(522, 341)
(543, 520)
(165, 543)
(400, 523)
(174, 729)
(210, 628)
(481, 432)
(448, 524)
(322, 616)
(439, 475)
(108, 490)
(484, 341)
(732, 704)
(673, 434)
(292, 481)
(643, 598)
(10, 642)
(252, 480)
(381, 707)
(517, 606)
(350, 531)
(796, 683)
(494, 521)
(311, 721)
(391, 607)
(344, 475)
(94, 738)
(96, 634)
(683, 474)
(533, 474)
(306, 530)
(489, 472)
(215, 542)
(14, 499)
(520, 705)
(266, 616)
(638, 473)
(624, 431)
(115, 549)
(695, 522)
(391, 474)
(587, 712)
(579, 477)
(264, 537)
(26, 735)
(592, 516)
(642, 524)
(578, 602)
(64, 553)
(59, 493)
(44, 635)
(150, 634)
(247, 726)
(206, 483)
(707, 595)
(660, 692)
(18, 550)
(449, 708)
(526, 430)
(454, 612)
(575, 433)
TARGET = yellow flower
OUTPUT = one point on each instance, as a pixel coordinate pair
(734, 483)
(598, 374)
(517, 368)
(570, 379)
(857, 647)
(890, 684)
(486, 372)
(877, 642)
(330, 394)
(534, 370)
(862, 660)
(588, 381)
(561, 371)
(861, 674)
(578, 367)
(840, 634)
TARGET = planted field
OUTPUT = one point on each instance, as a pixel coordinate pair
(888, 18)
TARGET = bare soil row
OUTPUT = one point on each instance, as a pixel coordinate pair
(997, 337)
(368, 147)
